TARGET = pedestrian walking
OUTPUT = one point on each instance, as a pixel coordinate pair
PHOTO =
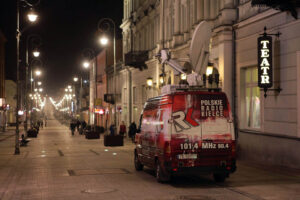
(122, 129)
(78, 124)
(112, 129)
(132, 131)
(73, 126)
(82, 127)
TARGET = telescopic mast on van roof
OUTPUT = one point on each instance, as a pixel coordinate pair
(199, 53)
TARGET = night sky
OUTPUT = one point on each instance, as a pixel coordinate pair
(66, 28)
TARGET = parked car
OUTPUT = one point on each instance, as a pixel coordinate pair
(187, 132)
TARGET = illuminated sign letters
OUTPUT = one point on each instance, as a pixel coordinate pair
(265, 74)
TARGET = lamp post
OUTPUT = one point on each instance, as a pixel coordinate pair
(32, 18)
(104, 25)
(36, 53)
(90, 54)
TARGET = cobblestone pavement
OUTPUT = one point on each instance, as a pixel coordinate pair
(57, 165)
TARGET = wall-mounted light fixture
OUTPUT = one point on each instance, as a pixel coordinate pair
(161, 79)
(209, 69)
(149, 82)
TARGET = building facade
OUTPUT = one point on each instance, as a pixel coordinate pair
(269, 127)
(261, 123)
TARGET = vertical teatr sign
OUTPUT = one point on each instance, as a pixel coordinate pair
(265, 74)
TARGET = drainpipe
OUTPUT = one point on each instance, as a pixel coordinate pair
(234, 93)
(129, 93)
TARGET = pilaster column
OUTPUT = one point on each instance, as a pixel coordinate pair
(177, 17)
(212, 8)
(199, 10)
(206, 9)
(161, 21)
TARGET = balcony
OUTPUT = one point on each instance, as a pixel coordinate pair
(286, 5)
(136, 59)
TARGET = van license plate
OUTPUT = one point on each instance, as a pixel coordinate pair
(187, 156)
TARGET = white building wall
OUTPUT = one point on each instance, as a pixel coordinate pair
(274, 141)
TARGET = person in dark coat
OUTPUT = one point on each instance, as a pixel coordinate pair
(82, 127)
(132, 131)
(123, 129)
(78, 125)
(73, 126)
(112, 129)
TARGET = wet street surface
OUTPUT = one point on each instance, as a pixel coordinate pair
(57, 165)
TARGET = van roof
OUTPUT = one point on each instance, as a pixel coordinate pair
(157, 98)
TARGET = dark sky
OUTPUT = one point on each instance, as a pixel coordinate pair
(66, 28)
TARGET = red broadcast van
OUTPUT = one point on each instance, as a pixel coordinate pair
(186, 132)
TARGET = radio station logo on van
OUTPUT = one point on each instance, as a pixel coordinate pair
(209, 108)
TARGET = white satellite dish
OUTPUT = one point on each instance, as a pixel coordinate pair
(199, 50)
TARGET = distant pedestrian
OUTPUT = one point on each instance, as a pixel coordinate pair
(82, 127)
(24, 141)
(112, 129)
(122, 129)
(132, 131)
(73, 126)
(78, 125)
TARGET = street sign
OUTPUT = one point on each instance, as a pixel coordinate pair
(265, 72)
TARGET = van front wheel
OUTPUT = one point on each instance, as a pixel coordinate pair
(137, 164)
(161, 177)
(219, 177)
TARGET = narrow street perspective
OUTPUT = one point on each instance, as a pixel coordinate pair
(150, 99)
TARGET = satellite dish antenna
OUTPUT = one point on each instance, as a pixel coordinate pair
(199, 50)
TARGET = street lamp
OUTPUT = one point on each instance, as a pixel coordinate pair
(104, 40)
(32, 18)
(38, 72)
(90, 54)
(86, 64)
(39, 83)
(75, 79)
(36, 53)
(104, 25)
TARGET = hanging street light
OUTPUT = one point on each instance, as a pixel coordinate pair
(86, 64)
(36, 53)
(32, 16)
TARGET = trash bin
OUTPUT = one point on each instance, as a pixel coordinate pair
(113, 140)
(32, 132)
(92, 135)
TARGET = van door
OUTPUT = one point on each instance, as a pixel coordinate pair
(201, 126)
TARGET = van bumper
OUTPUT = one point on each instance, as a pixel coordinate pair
(200, 169)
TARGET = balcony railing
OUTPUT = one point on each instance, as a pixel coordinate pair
(136, 59)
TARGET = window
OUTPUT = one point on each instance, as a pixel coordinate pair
(124, 95)
(252, 99)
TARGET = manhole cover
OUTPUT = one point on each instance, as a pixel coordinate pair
(81, 172)
(98, 190)
(194, 197)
